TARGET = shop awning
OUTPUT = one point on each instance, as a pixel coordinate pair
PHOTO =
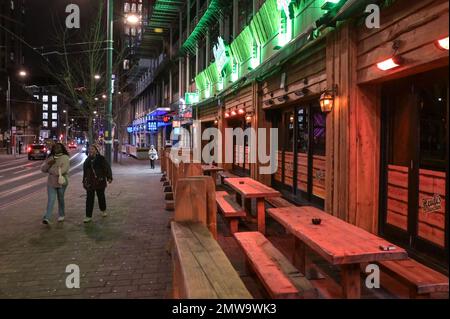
(160, 111)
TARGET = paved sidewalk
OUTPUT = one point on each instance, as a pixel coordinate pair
(121, 256)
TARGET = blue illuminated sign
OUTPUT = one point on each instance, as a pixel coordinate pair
(152, 126)
(130, 129)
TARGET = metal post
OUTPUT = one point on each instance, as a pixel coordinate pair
(8, 112)
(67, 126)
(109, 58)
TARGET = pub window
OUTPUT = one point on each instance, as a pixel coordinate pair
(433, 128)
(318, 136)
(245, 14)
(303, 130)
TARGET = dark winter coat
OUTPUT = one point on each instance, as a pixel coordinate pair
(96, 173)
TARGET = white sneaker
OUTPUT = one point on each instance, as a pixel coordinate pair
(105, 214)
(87, 220)
(60, 219)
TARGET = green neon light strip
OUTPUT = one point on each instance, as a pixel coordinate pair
(242, 46)
(264, 24)
(212, 14)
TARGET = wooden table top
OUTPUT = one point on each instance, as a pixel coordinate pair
(210, 168)
(334, 239)
(250, 188)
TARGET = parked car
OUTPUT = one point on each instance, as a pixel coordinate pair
(37, 151)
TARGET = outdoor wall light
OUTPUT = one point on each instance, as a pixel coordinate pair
(302, 92)
(227, 115)
(327, 100)
(283, 98)
(233, 113)
(390, 63)
(241, 111)
(269, 102)
(248, 117)
(442, 44)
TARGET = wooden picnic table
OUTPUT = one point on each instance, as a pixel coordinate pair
(212, 169)
(249, 189)
(337, 241)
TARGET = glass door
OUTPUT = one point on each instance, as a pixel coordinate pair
(301, 153)
(415, 170)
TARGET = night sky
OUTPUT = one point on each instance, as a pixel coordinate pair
(42, 17)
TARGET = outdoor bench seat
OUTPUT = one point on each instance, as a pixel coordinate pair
(229, 209)
(278, 202)
(279, 277)
(224, 175)
(420, 279)
(201, 269)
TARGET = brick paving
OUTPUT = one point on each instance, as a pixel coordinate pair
(121, 256)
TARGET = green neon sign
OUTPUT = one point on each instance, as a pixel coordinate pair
(287, 14)
(191, 98)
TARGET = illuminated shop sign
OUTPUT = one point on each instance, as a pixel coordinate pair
(152, 126)
(130, 129)
(191, 98)
(221, 55)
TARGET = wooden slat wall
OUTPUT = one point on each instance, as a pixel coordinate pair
(302, 172)
(416, 24)
(243, 99)
(309, 66)
(207, 112)
(432, 224)
(289, 168)
(318, 176)
(397, 196)
(279, 172)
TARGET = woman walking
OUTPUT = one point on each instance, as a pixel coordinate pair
(153, 155)
(96, 173)
(57, 166)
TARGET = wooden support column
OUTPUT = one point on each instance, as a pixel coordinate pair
(353, 136)
(339, 73)
(259, 120)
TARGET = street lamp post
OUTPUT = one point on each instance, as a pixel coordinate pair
(12, 144)
(66, 125)
(8, 112)
(109, 58)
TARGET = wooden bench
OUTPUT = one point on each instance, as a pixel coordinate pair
(229, 209)
(279, 277)
(420, 279)
(200, 268)
(224, 175)
(278, 202)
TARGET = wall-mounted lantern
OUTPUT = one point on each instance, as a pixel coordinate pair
(327, 99)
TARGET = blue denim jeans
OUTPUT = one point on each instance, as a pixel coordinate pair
(53, 194)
